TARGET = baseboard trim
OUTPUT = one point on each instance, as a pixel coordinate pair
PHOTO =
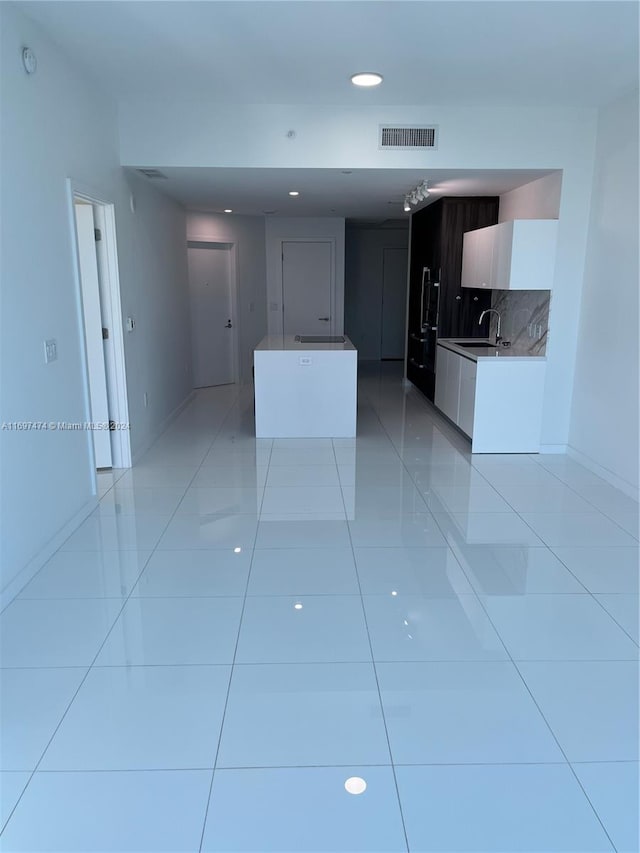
(619, 483)
(18, 583)
(135, 458)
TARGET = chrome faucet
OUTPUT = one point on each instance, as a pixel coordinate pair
(490, 311)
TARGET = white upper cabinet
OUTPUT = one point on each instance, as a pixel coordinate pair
(515, 255)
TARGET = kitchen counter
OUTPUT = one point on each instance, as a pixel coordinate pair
(288, 343)
(498, 408)
(485, 354)
(305, 389)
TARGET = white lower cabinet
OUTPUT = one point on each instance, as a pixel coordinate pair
(497, 402)
(447, 382)
(467, 396)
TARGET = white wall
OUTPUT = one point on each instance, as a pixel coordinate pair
(604, 414)
(55, 125)
(477, 136)
(248, 235)
(363, 284)
(279, 228)
(538, 199)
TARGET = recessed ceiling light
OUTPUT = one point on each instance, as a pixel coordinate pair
(228, 210)
(355, 785)
(366, 78)
(294, 192)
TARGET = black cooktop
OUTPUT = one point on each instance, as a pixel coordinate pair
(320, 339)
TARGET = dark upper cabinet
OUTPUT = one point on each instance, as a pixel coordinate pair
(436, 243)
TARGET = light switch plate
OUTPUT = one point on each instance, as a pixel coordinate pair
(50, 350)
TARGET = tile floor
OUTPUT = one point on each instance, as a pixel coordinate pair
(242, 626)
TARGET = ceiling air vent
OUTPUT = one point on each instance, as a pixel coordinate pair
(154, 174)
(398, 137)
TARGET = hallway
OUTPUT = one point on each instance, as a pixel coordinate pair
(244, 626)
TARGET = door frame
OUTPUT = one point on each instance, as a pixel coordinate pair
(104, 210)
(213, 242)
(332, 285)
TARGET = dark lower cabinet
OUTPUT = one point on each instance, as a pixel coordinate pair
(438, 306)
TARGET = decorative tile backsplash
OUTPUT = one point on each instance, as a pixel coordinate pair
(521, 311)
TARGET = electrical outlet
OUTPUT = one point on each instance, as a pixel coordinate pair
(274, 306)
(50, 350)
(145, 398)
(304, 360)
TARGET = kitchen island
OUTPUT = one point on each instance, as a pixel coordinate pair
(493, 394)
(305, 387)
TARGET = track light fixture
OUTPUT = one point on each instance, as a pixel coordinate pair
(416, 195)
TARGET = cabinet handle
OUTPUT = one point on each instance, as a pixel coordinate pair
(458, 298)
(417, 338)
(415, 364)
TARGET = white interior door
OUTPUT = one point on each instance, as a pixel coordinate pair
(212, 320)
(394, 303)
(93, 332)
(307, 278)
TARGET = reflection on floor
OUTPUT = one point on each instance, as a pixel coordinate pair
(245, 630)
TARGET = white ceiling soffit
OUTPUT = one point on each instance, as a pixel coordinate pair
(351, 193)
(565, 52)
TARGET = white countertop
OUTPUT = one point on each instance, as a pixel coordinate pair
(484, 353)
(288, 343)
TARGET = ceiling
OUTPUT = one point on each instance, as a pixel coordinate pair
(360, 194)
(524, 52)
(563, 52)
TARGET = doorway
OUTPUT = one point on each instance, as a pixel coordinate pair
(212, 296)
(394, 304)
(307, 287)
(99, 312)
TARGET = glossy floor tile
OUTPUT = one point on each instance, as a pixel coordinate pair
(162, 631)
(558, 627)
(573, 528)
(12, 784)
(225, 530)
(303, 571)
(312, 628)
(507, 570)
(195, 573)
(297, 809)
(292, 715)
(410, 571)
(32, 703)
(159, 812)
(511, 808)
(381, 643)
(88, 574)
(612, 788)
(118, 533)
(391, 530)
(462, 713)
(159, 500)
(603, 569)
(429, 628)
(591, 706)
(55, 632)
(625, 609)
(142, 718)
